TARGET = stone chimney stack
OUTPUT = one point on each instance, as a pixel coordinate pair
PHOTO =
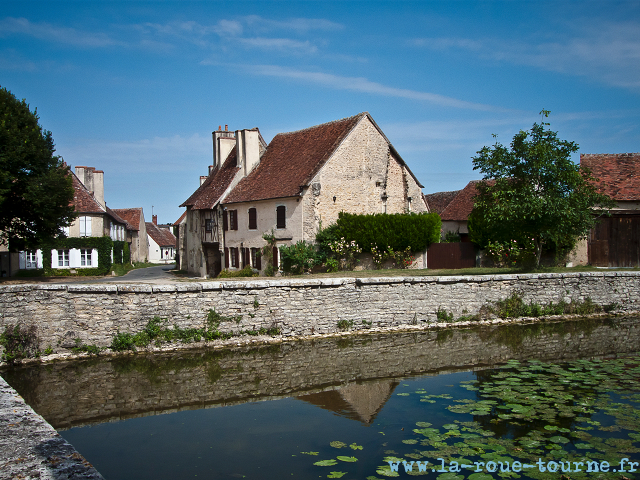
(247, 149)
(223, 143)
(93, 180)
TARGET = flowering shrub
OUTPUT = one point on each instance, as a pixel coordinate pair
(378, 257)
(402, 259)
(346, 252)
(511, 253)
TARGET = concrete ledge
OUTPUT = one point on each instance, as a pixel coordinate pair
(30, 448)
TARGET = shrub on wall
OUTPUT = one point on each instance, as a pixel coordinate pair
(126, 253)
(102, 244)
(299, 258)
(118, 247)
(395, 231)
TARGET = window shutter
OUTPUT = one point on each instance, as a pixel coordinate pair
(253, 219)
(235, 257)
(226, 254)
(88, 226)
(83, 226)
(247, 257)
(225, 221)
(233, 219)
(281, 221)
(276, 262)
(258, 259)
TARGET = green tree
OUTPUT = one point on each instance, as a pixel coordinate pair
(534, 193)
(35, 186)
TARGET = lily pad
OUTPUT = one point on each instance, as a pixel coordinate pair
(342, 458)
(326, 463)
(336, 474)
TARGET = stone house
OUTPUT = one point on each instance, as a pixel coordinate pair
(137, 229)
(615, 240)
(94, 219)
(161, 242)
(300, 181)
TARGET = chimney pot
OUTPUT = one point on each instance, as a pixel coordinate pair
(219, 128)
(154, 219)
(226, 128)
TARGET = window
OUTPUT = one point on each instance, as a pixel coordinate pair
(233, 220)
(253, 219)
(208, 225)
(85, 226)
(233, 251)
(63, 258)
(281, 220)
(255, 258)
(32, 259)
(85, 257)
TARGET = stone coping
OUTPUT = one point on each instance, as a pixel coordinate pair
(299, 283)
(30, 448)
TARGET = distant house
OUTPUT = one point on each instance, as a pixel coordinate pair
(162, 243)
(300, 181)
(454, 208)
(94, 219)
(615, 241)
(134, 217)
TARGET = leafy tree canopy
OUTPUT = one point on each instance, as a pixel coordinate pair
(534, 193)
(35, 186)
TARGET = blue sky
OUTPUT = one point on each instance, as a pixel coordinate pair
(136, 88)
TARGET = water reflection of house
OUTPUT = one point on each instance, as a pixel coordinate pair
(356, 401)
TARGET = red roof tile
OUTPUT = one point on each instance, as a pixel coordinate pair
(117, 218)
(83, 200)
(162, 236)
(291, 161)
(460, 207)
(618, 173)
(130, 215)
(179, 221)
(208, 194)
(437, 202)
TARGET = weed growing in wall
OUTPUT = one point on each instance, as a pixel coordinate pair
(19, 341)
(514, 306)
(157, 331)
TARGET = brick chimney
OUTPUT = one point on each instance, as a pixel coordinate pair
(154, 219)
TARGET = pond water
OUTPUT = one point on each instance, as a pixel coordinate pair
(493, 402)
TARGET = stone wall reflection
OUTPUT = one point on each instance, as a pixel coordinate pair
(360, 369)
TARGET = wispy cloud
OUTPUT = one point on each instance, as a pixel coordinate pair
(362, 85)
(300, 25)
(606, 52)
(52, 33)
(280, 44)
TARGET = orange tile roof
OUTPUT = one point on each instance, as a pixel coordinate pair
(437, 202)
(208, 194)
(618, 173)
(130, 215)
(83, 200)
(291, 161)
(162, 236)
(460, 207)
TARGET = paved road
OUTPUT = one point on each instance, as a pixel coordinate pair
(159, 274)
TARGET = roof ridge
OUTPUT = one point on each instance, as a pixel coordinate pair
(361, 114)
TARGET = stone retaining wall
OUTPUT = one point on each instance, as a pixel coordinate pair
(94, 313)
